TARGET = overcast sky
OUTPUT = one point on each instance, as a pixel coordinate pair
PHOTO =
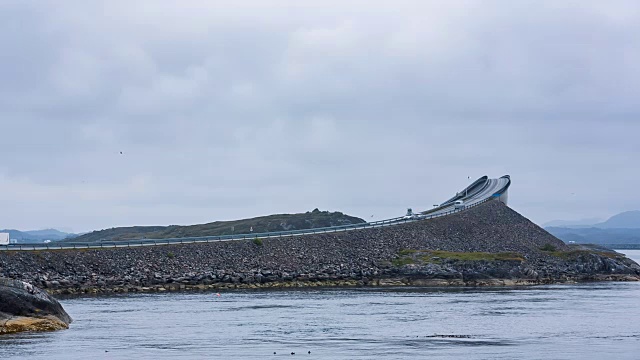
(230, 111)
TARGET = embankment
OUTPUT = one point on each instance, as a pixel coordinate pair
(487, 245)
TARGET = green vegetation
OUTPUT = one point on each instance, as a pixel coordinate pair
(171, 255)
(475, 256)
(402, 261)
(411, 256)
(548, 247)
(272, 223)
(257, 241)
(407, 252)
(611, 254)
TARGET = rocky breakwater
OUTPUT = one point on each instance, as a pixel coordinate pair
(490, 244)
(24, 307)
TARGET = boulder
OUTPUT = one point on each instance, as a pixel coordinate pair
(24, 307)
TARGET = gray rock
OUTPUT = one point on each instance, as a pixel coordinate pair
(347, 256)
(24, 307)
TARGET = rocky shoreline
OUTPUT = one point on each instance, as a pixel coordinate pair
(391, 282)
(489, 245)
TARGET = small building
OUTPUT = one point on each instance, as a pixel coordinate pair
(4, 238)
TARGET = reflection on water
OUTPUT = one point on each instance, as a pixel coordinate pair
(584, 321)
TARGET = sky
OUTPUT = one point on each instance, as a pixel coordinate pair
(116, 113)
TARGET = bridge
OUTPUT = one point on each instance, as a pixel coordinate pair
(478, 192)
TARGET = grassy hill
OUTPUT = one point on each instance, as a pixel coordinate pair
(279, 222)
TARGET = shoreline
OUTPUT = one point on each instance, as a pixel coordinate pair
(334, 284)
(488, 245)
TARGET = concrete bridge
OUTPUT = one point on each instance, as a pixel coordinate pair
(478, 192)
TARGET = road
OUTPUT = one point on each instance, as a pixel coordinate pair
(478, 192)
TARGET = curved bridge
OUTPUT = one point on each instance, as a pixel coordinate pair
(478, 192)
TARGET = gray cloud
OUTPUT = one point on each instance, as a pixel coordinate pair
(227, 111)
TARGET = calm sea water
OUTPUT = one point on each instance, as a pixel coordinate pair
(586, 321)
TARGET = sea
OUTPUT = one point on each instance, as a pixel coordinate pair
(579, 321)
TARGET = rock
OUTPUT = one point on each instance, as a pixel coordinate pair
(24, 307)
(367, 256)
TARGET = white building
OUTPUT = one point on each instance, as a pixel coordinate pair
(4, 238)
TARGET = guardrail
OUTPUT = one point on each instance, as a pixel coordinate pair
(217, 238)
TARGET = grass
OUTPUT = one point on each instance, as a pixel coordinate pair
(171, 255)
(411, 256)
(257, 241)
(475, 256)
(402, 261)
(404, 252)
(610, 255)
(548, 247)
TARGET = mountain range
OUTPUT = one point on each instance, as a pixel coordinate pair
(621, 230)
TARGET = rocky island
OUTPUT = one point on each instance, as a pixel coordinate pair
(490, 244)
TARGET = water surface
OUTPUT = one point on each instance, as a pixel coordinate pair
(585, 321)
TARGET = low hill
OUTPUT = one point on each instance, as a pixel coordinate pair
(279, 222)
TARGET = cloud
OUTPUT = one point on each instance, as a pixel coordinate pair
(226, 111)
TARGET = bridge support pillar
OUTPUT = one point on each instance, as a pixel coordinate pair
(504, 197)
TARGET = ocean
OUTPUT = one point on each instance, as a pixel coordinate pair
(581, 321)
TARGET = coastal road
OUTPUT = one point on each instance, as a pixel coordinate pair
(478, 192)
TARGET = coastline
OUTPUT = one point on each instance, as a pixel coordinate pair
(384, 282)
(488, 245)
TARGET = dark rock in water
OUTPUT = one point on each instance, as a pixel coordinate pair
(24, 307)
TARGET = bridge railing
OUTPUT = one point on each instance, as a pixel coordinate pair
(249, 236)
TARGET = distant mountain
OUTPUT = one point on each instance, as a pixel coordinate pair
(597, 235)
(621, 230)
(272, 223)
(37, 235)
(14, 234)
(51, 234)
(572, 223)
(625, 220)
